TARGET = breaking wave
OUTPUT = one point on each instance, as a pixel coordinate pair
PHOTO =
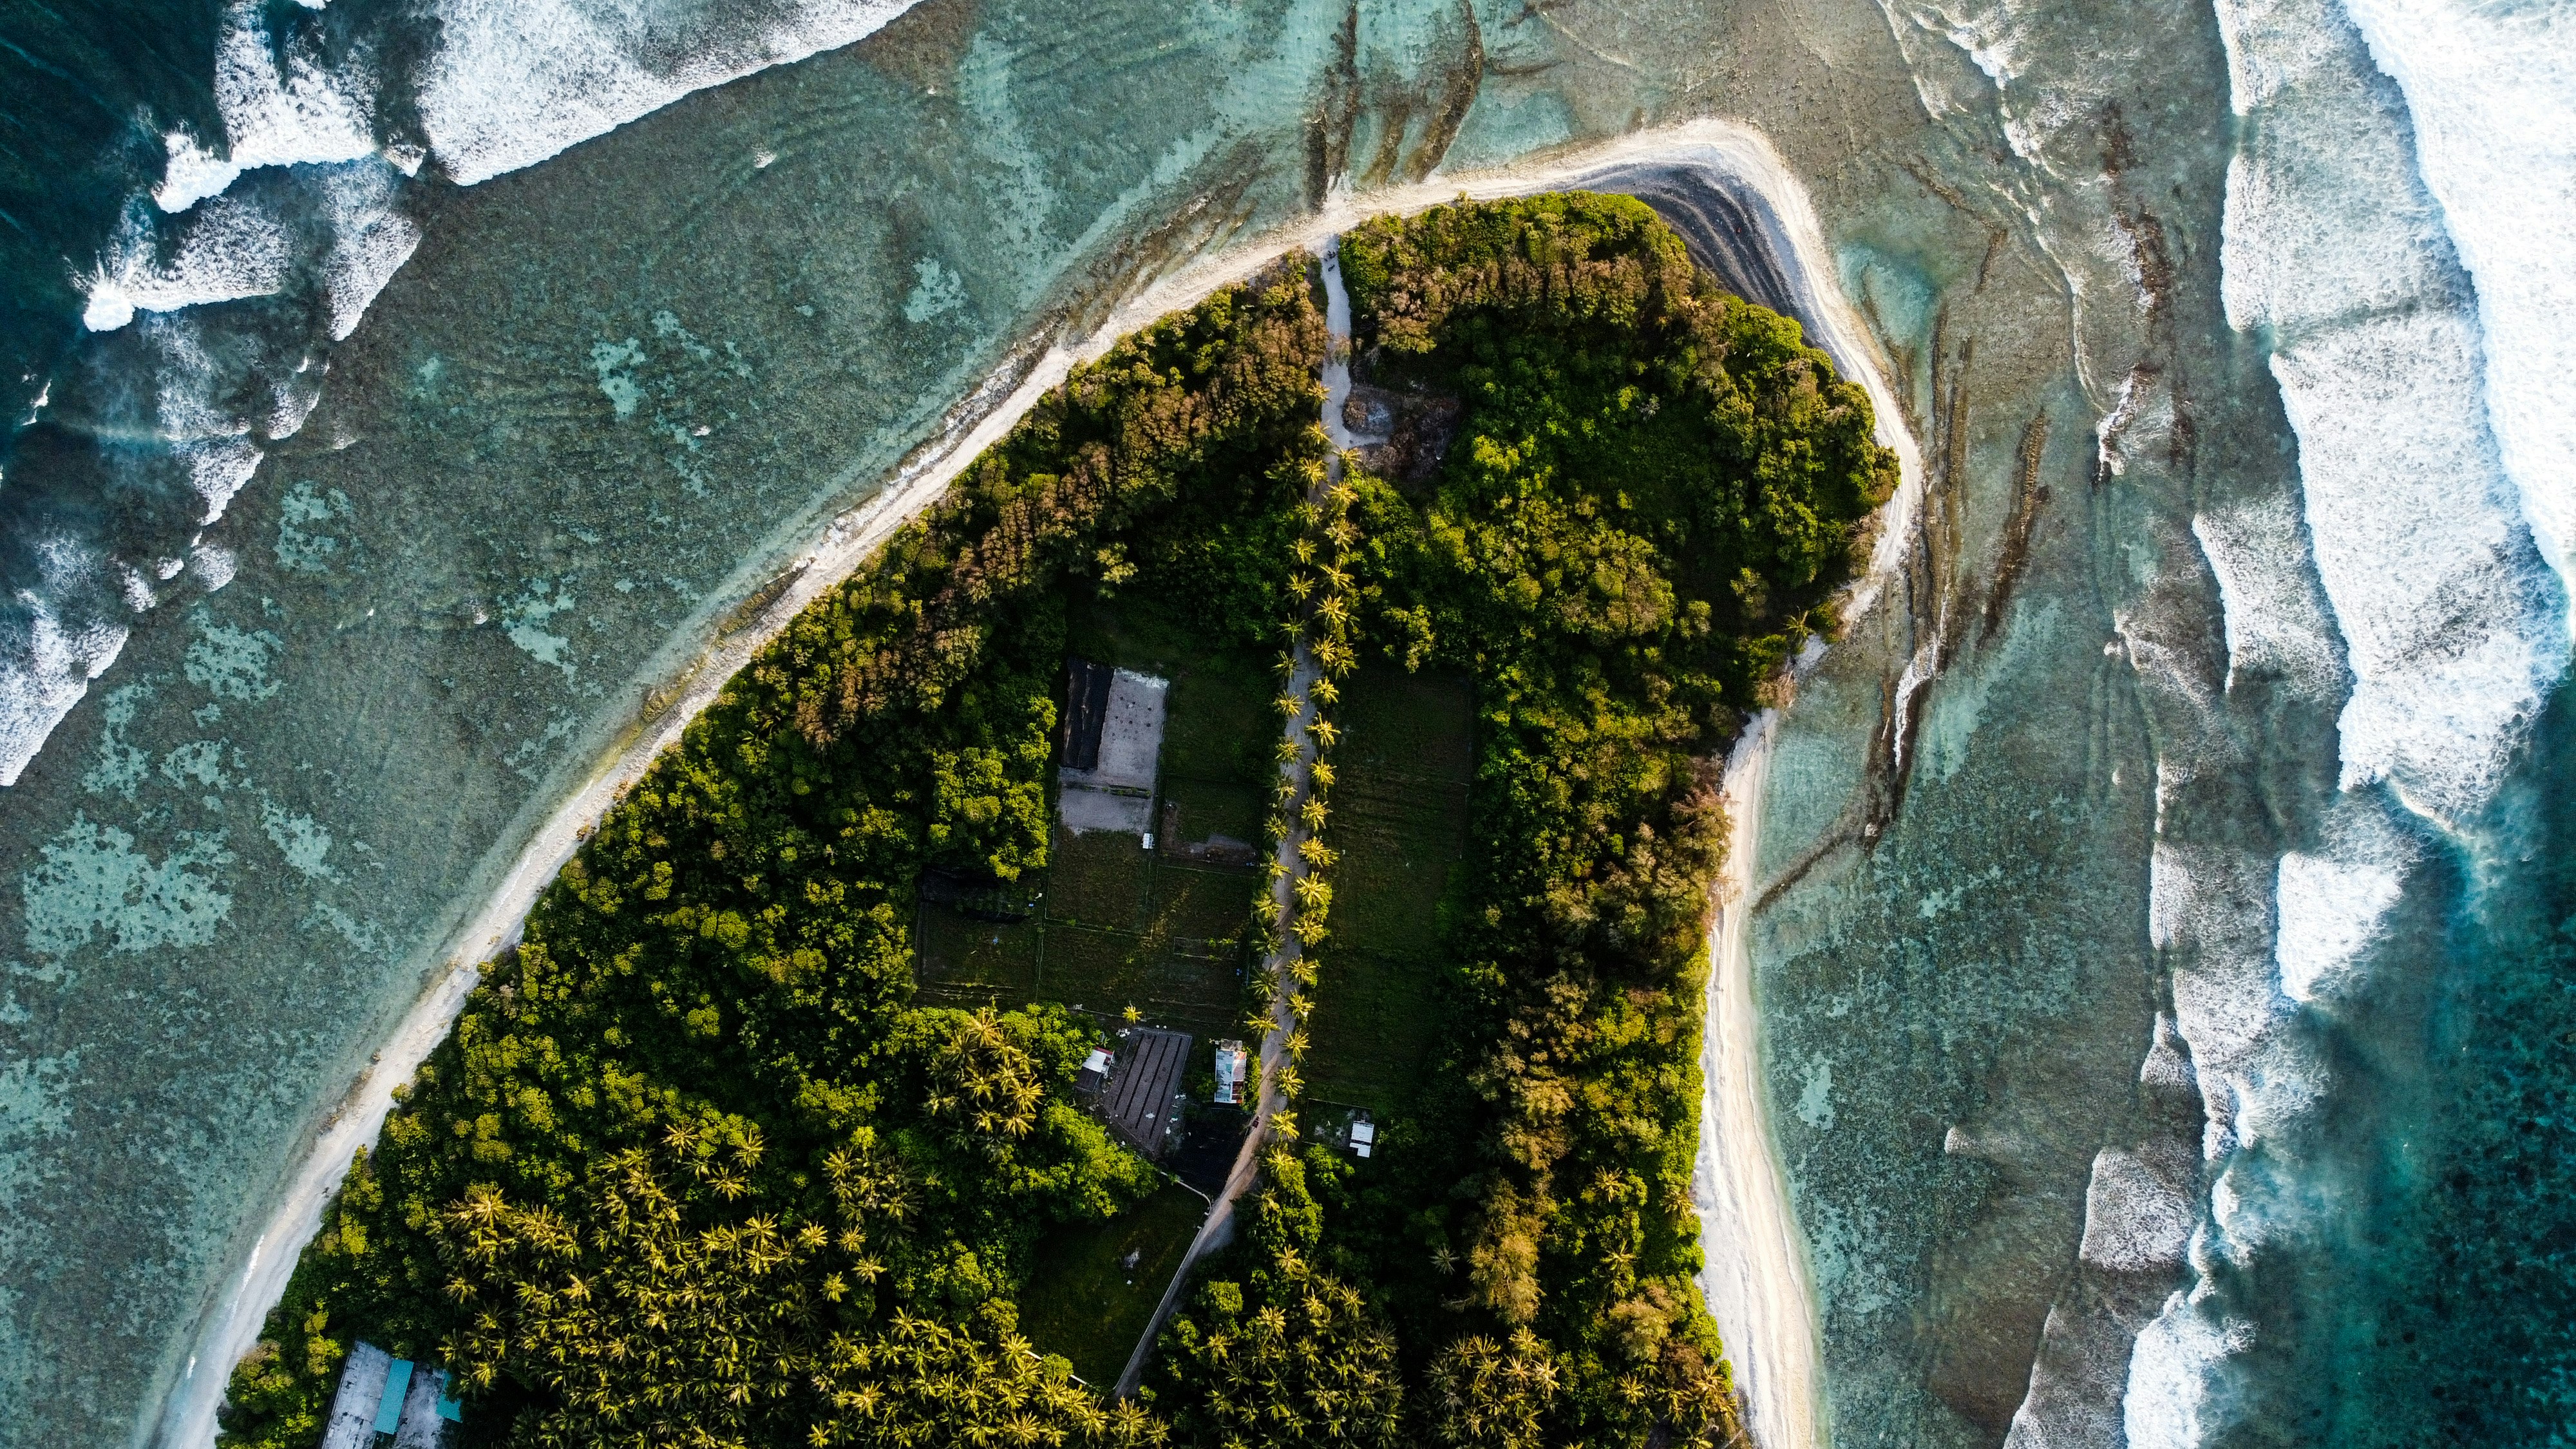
(231, 273)
(2388, 211)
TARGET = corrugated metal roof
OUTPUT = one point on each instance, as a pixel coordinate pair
(1142, 1099)
(352, 1424)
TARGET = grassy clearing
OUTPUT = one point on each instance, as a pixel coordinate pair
(1214, 807)
(1105, 972)
(1084, 1301)
(1400, 817)
(1097, 879)
(980, 958)
(1200, 905)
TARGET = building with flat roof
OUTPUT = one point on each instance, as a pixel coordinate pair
(1112, 749)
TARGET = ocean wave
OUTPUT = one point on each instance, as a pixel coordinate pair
(2491, 92)
(513, 83)
(281, 106)
(2433, 618)
(2454, 638)
(227, 251)
(2177, 1396)
(2331, 906)
(2275, 620)
(305, 206)
(46, 665)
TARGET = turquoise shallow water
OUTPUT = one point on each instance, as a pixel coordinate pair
(2103, 1121)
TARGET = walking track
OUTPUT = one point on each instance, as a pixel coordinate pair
(1218, 1229)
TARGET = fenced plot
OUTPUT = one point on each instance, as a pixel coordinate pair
(1096, 1284)
(1400, 823)
(966, 959)
(1097, 880)
(1105, 972)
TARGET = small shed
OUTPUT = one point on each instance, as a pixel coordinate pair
(1363, 1137)
(1094, 1073)
(1232, 1066)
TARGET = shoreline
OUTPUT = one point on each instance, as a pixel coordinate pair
(1751, 1180)
(1754, 1273)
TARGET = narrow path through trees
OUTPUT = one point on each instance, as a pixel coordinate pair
(1290, 863)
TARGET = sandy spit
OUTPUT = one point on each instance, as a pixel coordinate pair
(1762, 1301)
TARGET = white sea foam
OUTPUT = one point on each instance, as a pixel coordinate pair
(2418, 521)
(2138, 1213)
(2447, 619)
(371, 238)
(2491, 91)
(2174, 1399)
(46, 670)
(2335, 248)
(517, 81)
(302, 111)
(215, 566)
(2325, 218)
(2274, 620)
(363, 259)
(217, 469)
(508, 83)
(227, 250)
(2330, 910)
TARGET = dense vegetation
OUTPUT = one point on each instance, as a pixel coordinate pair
(694, 1170)
(1651, 490)
(690, 1170)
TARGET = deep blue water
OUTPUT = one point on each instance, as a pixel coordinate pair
(86, 94)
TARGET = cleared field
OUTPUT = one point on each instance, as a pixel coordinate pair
(1400, 823)
(978, 958)
(1187, 905)
(1097, 879)
(1086, 1302)
(1214, 807)
(1105, 972)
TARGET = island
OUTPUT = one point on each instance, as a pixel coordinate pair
(1199, 940)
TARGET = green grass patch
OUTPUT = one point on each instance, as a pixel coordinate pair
(1400, 822)
(959, 953)
(1405, 840)
(1097, 879)
(1214, 807)
(1085, 1302)
(1106, 972)
(1375, 1023)
(1200, 905)
(1401, 725)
